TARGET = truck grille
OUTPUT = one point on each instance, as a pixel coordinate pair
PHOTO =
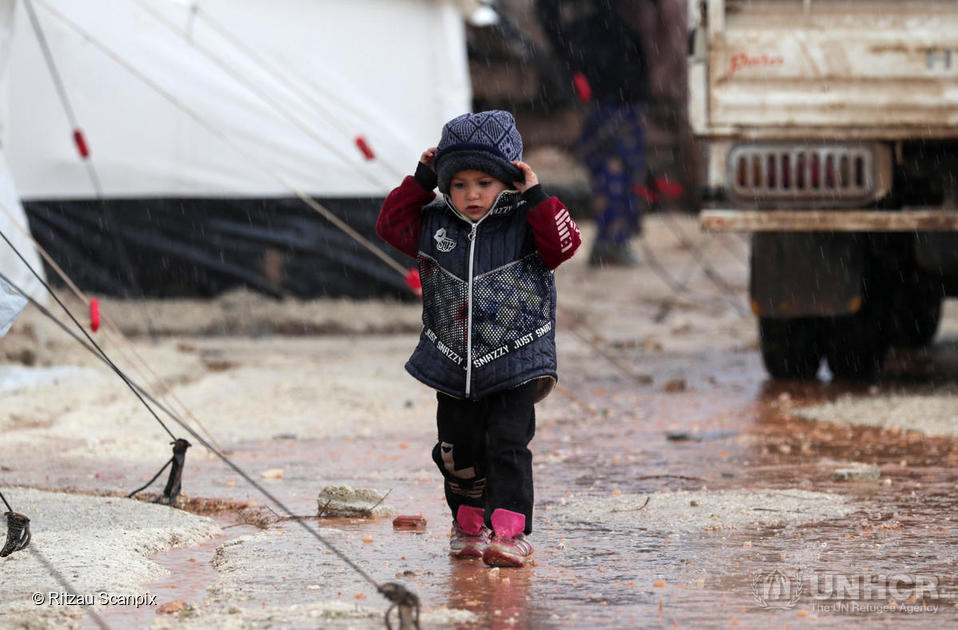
(784, 172)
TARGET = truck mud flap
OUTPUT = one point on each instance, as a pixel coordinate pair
(809, 274)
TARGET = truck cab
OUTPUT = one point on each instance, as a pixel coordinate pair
(831, 134)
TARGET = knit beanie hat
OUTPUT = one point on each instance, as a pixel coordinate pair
(486, 141)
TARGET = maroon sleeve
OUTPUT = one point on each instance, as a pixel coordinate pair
(400, 217)
(557, 236)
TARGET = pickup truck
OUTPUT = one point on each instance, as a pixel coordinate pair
(831, 134)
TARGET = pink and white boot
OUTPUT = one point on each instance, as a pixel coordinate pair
(509, 547)
(470, 536)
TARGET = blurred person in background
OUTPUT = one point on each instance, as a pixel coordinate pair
(599, 44)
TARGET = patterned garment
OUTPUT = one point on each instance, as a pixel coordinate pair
(613, 144)
(509, 304)
(493, 131)
(485, 141)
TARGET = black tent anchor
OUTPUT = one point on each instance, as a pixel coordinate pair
(173, 484)
(18, 533)
(18, 530)
(404, 602)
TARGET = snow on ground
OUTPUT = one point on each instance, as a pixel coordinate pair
(96, 546)
(933, 413)
(687, 512)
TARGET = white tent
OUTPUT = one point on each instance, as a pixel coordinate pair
(13, 222)
(232, 97)
(238, 100)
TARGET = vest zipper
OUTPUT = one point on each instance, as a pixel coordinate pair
(472, 248)
(472, 251)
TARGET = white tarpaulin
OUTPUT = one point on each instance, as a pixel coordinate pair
(232, 98)
(13, 222)
(11, 304)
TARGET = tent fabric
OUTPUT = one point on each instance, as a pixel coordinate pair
(11, 304)
(202, 247)
(206, 118)
(13, 225)
(291, 85)
(13, 222)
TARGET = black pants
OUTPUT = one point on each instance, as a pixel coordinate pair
(483, 451)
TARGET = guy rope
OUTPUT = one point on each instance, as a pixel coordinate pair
(402, 600)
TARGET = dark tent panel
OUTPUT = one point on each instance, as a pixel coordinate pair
(202, 247)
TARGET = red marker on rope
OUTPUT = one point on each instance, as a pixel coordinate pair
(94, 314)
(80, 141)
(413, 282)
(364, 148)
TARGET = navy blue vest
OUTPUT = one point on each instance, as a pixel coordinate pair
(488, 302)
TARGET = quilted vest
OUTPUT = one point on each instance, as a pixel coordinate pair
(488, 302)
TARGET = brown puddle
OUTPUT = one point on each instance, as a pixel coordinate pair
(191, 573)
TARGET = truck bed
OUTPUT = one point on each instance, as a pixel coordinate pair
(866, 68)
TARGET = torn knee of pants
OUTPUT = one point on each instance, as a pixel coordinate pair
(464, 481)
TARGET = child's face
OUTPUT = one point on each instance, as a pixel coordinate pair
(474, 192)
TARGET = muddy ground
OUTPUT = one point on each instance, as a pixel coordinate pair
(675, 484)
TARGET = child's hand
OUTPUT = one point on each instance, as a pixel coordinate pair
(428, 158)
(530, 177)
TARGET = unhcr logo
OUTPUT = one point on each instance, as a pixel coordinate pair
(777, 590)
(849, 592)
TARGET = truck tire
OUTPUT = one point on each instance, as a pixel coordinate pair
(856, 347)
(915, 320)
(790, 347)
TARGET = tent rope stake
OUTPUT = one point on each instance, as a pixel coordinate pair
(404, 602)
(174, 483)
(394, 592)
(18, 530)
(18, 533)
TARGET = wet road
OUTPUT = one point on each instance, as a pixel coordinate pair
(604, 435)
(662, 395)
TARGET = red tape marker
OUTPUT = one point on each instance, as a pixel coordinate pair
(94, 314)
(364, 148)
(413, 282)
(582, 87)
(80, 141)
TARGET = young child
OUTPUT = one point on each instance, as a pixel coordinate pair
(486, 253)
